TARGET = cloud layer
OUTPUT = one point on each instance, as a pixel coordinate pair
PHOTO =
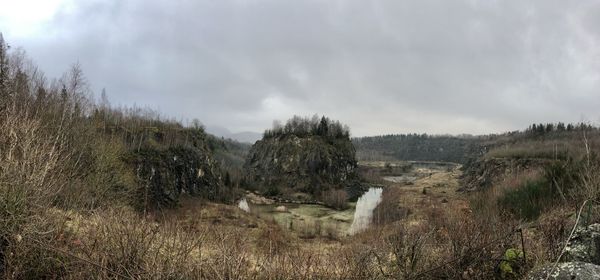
(383, 66)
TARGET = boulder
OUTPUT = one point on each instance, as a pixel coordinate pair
(281, 208)
(582, 257)
(584, 246)
(258, 199)
(567, 271)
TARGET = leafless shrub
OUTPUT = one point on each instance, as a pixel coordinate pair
(389, 210)
(337, 199)
(272, 241)
(407, 246)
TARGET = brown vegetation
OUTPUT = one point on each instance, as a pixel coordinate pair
(337, 199)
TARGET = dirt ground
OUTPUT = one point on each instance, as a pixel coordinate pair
(434, 189)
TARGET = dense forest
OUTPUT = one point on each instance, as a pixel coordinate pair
(464, 148)
(418, 147)
(308, 127)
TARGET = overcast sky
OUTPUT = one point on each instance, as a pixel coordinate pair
(379, 66)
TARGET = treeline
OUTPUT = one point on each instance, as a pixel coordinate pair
(549, 141)
(307, 127)
(418, 147)
(541, 140)
(542, 129)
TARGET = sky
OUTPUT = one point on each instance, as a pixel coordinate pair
(386, 66)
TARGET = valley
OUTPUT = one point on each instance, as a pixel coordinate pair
(94, 191)
(421, 187)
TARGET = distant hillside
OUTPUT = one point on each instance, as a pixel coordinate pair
(421, 147)
(305, 155)
(230, 155)
(547, 148)
(243, 137)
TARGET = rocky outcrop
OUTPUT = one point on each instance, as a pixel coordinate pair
(584, 246)
(306, 164)
(163, 174)
(582, 257)
(567, 271)
(485, 172)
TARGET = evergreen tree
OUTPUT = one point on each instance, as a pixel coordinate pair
(323, 128)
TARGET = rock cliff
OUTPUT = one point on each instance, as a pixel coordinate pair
(308, 163)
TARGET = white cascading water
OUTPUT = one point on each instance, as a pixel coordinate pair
(364, 210)
(243, 204)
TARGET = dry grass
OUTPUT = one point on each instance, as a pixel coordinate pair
(568, 145)
(211, 241)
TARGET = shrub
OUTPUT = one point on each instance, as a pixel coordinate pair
(564, 177)
(336, 199)
(272, 190)
(527, 201)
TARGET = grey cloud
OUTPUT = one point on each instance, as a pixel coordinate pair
(379, 66)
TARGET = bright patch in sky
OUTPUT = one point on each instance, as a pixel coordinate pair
(25, 17)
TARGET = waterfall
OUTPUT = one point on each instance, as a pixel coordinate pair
(364, 210)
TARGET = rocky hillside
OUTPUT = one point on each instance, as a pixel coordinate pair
(307, 156)
(486, 172)
(555, 146)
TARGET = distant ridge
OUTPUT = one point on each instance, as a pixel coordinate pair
(244, 136)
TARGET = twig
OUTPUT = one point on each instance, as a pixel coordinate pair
(420, 274)
(567, 241)
(52, 248)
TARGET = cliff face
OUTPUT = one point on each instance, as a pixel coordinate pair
(305, 164)
(165, 172)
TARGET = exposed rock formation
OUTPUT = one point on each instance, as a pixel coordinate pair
(582, 256)
(163, 173)
(307, 155)
(567, 271)
(483, 173)
(304, 164)
(584, 246)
